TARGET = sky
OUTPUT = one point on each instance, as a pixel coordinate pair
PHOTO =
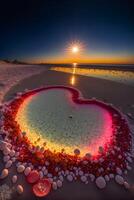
(43, 30)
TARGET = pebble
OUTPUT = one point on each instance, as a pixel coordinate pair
(92, 177)
(8, 164)
(20, 189)
(83, 179)
(27, 171)
(54, 186)
(118, 171)
(70, 177)
(119, 179)
(59, 183)
(61, 178)
(100, 182)
(6, 151)
(4, 173)
(129, 168)
(111, 176)
(107, 178)
(81, 173)
(45, 172)
(14, 179)
(12, 153)
(20, 168)
(77, 152)
(126, 184)
(6, 158)
(129, 159)
(41, 174)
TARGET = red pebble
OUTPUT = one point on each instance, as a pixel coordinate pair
(33, 176)
(42, 188)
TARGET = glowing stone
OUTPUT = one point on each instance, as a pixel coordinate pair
(33, 176)
(46, 115)
(42, 188)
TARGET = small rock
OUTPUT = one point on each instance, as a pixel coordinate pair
(14, 179)
(83, 179)
(126, 184)
(111, 176)
(4, 173)
(20, 168)
(61, 178)
(107, 178)
(41, 174)
(100, 182)
(77, 152)
(6, 158)
(12, 153)
(59, 183)
(54, 186)
(20, 189)
(8, 164)
(70, 177)
(6, 151)
(27, 171)
(129, 159)
(92, 177)
(119, 171)
(119, 179)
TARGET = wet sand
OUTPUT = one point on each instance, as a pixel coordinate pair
(120, 95)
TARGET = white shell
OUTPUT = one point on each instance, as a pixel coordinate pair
(54, 186)
(4, 173)
(100, 182)
(41, 174)
(20, 168)
(92, 177)
(6, 151)
(69, 177)
(20, 189)
(126, 184)
(27, 170)
(119, 179)
(119, 171)
(83, 179)
(6, 158)
(8, 164)
(59, 183)
(14, 179)
(107, 178)
(12, 153)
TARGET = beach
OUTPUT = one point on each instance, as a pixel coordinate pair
(118, 94)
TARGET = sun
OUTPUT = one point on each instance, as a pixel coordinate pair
(75, 49)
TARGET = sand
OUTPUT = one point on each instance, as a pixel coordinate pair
(120, 95)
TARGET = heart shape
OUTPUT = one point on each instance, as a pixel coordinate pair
(65, 122)
(81, 126)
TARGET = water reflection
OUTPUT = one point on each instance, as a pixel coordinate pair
(72, 80)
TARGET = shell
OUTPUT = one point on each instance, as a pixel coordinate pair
(14, 179)
(100, 182)
(4, 173)
(20, 189)
(70, 177)
(20, 168)
(27, 171)
(59, 183)
(54, 186)
(119, 179)
(8, 164)
(83, 178)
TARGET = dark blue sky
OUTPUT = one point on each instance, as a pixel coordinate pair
(41, 30)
